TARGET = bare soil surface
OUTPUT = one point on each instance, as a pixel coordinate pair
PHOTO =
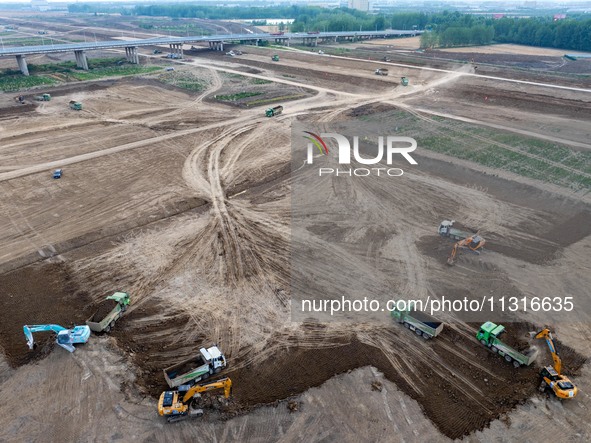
(187, 207)
(62, 303)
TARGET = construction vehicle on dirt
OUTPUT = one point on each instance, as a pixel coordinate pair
(464, 239)
(446, 229)
(473, 243)
(275, 58)
(66, 338)
(420, 322)
(381, 71)
(404, 81)
(184, 403)
(489, 335)
(272, 112)
(76, 106)
(43, 98)
(208, 362)
(551, 376)
(100, 323)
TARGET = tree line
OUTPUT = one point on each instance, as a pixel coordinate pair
(571, 33)
(445, 29)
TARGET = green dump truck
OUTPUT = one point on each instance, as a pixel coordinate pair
(420, 322)
(275, 58)
(489, 334)
(404, 81)
(272, 112)
(76, 106)
(43, 98)
(103, 320)
(208, 362)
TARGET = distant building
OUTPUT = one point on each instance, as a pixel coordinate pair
(360, 5)
(559, 17)
(40, 5)
(498, 16)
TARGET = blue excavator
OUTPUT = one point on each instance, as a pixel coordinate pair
(65, 337)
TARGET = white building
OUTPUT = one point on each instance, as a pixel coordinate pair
(360, 5)
(40, 5)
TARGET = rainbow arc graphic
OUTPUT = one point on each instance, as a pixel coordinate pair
(318, 142)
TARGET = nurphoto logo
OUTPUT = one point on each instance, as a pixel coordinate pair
(388, 145)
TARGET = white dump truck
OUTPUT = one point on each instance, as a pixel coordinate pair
(187, 372)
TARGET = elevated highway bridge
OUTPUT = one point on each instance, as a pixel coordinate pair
(216, 42)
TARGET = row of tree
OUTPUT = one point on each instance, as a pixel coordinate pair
(564, 34)
(458, 36)
(447, 28)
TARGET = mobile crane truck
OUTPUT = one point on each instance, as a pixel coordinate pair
(183, 403)
(551, 376)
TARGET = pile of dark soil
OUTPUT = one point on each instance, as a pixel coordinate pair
(103, 310)
(43, 293)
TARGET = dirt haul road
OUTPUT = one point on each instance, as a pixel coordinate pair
(196, 228)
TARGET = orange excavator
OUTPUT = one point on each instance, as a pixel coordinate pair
(473, 243)
(183, 403)
(551, 376)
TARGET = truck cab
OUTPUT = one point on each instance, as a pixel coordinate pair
(445, 226)
(57, 173)
(214, 357)
(489, 331)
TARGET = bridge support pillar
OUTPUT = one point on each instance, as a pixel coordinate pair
(22, 64)
(177, 50)
(131, 55)
(81, 60)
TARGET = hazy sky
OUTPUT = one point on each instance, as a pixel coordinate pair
(416, 2)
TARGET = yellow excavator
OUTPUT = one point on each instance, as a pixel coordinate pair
(474, 243)
(551, 376)
(183, 403)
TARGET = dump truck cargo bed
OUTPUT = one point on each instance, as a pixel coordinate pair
(193, 369)
(110, 310)
(422, 323)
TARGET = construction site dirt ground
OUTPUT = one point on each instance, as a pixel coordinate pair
(186, 204)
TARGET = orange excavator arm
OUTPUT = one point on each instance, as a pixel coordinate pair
(547, 335)
(474, 243)
(223, 383)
